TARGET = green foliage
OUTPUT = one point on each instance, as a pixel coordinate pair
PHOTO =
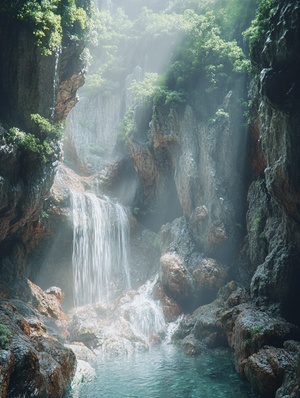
(45, 21)
(165, 97)
(255, 330)
(204, 54)
(220, 115)
(231, 15)
(49, 19)
(5, 337)
(29, 143)
(258, 223)
(127, 127)
(259, 25)
(40, 142)
(43, 215)
(45, 128)
(144, 90)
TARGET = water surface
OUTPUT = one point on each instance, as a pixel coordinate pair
(165, 372)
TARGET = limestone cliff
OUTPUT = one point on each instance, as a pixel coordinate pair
(33, 362)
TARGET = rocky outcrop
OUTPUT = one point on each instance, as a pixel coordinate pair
(273, 219)
(30, 84)
(187, 276)
(203, 160)
(265, 347)
(33, 362)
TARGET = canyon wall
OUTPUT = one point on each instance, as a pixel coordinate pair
(33, 361)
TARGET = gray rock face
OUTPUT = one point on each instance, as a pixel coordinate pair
(202, 158)
(32, 362)
(30, 84)
(273, 216)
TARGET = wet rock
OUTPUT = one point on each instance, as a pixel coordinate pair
(192, 346)
(194, 283)
(85, 325)
(176, 279)
(249, 329)
(266, 369)
(209, 277)
(84, 373)
(82, 352)
(176, 237)
(104, 331)
(57, 292)
(6, 366)
(170, 307)
(36, 364)
(204, 323)
(273, 233)
(47, 303)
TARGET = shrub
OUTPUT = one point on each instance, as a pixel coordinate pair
(50, 19)
(45, 128)
(41, 142)
(5, 337)
(259, 25)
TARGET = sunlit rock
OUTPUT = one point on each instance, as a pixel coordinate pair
(176, 279)
(82, 352)
(171, 309)
(36, 363)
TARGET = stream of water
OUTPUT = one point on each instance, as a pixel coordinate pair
(165, 372)
(100, 247)
(100, 251)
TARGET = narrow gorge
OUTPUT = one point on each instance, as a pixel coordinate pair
(149, 202)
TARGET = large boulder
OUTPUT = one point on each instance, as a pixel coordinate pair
(33, 362)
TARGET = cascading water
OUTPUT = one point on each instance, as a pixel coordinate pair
(100, 248)
(55, 79)
(144, 314)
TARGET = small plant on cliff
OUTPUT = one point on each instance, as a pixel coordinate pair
(127, 126)
(258, 222)
(45, 128)
(45, 134)
(5, 337)
(29, 143)
(259, 25)
(255, 330)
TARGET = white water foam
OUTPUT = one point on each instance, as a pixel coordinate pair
(100, 248)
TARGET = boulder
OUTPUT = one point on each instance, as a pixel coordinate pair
(32, 361)
(266, 369)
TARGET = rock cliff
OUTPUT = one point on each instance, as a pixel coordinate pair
(33, 361)
(224, 204)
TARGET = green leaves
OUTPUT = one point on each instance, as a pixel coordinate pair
(44, 127)
(49, 19)
(259, 25)
(205, 55)
(5, 337)
(40, 142)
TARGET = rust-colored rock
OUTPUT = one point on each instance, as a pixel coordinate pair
(209, 276)
(265, 370)
(175, 278)
(170, 307)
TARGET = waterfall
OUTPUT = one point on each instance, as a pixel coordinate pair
(55, 79)
(100, 248)
(144, 313)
